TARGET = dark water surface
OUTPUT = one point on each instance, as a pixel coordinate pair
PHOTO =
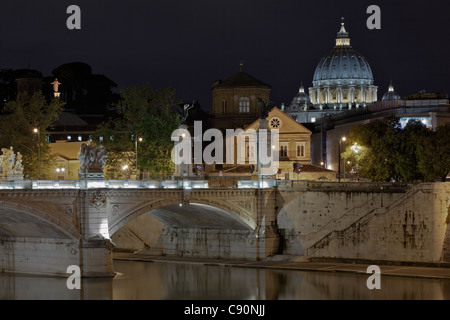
(173, 281)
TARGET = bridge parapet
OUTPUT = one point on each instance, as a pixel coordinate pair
(137, 184)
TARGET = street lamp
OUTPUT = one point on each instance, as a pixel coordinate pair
(60, 170)
(339, 158)
(125, 168)
(136, 147)
(36, 131)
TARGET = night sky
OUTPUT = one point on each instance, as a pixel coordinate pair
(188, 44)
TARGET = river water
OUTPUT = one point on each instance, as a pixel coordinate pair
(173, 281)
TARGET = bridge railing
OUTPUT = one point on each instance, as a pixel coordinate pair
(136, 184)
(203, 184)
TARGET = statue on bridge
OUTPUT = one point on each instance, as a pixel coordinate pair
(184, 112)
(265, 108)
(11, 165)
(92, 161)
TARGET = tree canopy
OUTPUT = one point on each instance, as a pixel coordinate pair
(382, 151)
(143, 112)
(17, 122)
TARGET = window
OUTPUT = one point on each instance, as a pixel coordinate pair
(80, 138)
(224, 106)
(300, 149)
(283, 149)
(275, 123)
(244, 105)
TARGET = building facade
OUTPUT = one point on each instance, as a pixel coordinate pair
(235, 100)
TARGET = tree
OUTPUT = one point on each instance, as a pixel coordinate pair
(406, 154)
(390, 152)
(377, 142)
(19, 118)
(143, 112)
(433, 153)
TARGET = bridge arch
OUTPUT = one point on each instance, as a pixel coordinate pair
(196, 228)
(237, 217)
(20, 220)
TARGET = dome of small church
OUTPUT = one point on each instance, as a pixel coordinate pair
(300, 102)
(391, 94)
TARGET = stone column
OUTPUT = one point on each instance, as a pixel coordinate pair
(339, 94)
(312, 95)
(267, 230)
(95, 246)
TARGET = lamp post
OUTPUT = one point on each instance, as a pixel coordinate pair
(136, 147)
(125, 169)
(339, 158)
(36, 130)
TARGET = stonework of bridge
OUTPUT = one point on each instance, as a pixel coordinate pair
(47, 226)
(44, 228)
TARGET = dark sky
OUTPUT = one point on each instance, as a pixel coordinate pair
(187, 44)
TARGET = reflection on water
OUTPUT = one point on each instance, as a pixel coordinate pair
(163, 280)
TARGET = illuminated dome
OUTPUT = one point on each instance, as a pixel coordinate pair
(391, 94)
(343, 65)
(343, 76)
(300, 102)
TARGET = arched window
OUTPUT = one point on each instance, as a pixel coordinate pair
(300, 149)
(244, 105)
(283, 149)
(224, 106)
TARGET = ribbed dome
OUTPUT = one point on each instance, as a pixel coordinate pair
(301, 97)
(343, 65)
(300, 102)
(391, 94)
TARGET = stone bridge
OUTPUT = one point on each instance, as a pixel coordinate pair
(46, 226)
